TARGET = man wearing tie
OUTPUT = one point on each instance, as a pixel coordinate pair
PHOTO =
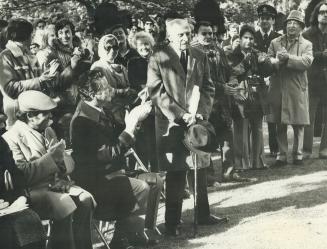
(174, 71)
(267, 15)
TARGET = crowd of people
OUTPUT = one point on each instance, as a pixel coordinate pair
(77, 104)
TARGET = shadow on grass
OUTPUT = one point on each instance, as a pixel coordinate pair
(312, 194)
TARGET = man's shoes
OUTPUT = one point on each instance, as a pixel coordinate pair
(172, 231)
(144, 240)
(235, 177)
(307, 155)
(232, 176)
(120, 244)
(322, 156)
(278, 164)
(213, 220)
(298, 162)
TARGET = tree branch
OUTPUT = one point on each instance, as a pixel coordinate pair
(33, 4)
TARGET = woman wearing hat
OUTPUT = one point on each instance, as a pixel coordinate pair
(291, 55)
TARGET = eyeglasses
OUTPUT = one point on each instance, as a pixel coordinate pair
(322, 12)
(114, 47)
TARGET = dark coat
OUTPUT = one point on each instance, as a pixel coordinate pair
(170, 89)
(123, 60)
(261, 44)
(317, 73)
(7, 163)
(98, 149)
(242, 69)
(137, 68)
(20, 228)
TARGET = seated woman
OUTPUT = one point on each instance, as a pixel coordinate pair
(20, 229)
(116, 76)
(99, 153)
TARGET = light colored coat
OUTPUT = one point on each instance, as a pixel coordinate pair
(29, 150)
(171, 90)
(288, 91)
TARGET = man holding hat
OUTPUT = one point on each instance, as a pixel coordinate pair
(288, 93)
(174, 71)
(44, 163)
(267, 16)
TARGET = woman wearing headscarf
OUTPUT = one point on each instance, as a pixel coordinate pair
(116, 76)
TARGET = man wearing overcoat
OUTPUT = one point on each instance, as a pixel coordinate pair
(173, 72)
(288, 92)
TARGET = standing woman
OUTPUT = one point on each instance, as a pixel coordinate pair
(116, 76)
(248, 69)
(137, 68)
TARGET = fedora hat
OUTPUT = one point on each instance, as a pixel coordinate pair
(200, 138)
(297, 16)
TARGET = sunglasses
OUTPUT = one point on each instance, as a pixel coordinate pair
(114, 47)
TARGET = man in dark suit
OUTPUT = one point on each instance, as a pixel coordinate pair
(174, 71)
(267, 16)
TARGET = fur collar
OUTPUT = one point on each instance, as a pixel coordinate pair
(15, 48)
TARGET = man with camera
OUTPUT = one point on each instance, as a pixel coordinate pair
(249, 66)
(220, 116)
(44, 163)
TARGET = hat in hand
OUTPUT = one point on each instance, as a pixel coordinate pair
(200, 138)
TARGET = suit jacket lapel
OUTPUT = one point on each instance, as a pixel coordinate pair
(190, 66)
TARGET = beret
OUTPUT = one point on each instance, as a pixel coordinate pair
(32, 100)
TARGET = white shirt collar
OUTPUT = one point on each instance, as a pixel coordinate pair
(178, 51)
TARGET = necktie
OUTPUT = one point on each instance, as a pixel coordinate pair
(183, 61)
(265, 37)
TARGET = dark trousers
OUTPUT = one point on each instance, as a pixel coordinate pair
(175, 184)
(74, 231)
(314, 102)
(272, 133)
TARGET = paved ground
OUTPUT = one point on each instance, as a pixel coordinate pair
(283, 209)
